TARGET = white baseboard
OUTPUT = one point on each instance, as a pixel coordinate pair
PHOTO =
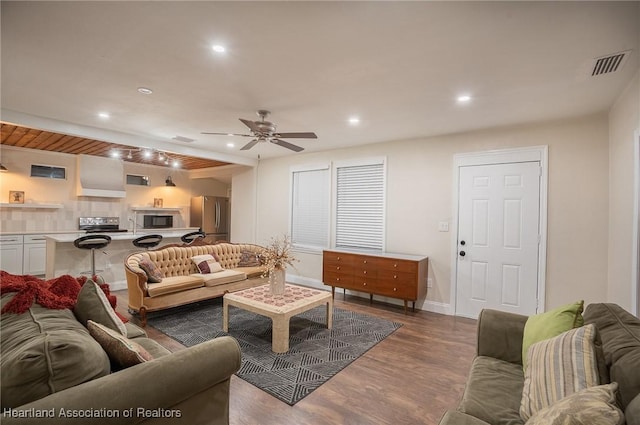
(427, 305)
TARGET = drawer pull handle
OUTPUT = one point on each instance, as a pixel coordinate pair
(395, 289)
(395, 264)
(395, 277)
(338, 258)
(365, 261)
(338, 268)
(337, 279)
(364, 284)
(365, 272)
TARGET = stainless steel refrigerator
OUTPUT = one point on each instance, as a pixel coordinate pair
(211, 214)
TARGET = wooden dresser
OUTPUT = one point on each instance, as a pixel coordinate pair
(391, 275)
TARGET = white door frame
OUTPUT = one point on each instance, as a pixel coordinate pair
(503, 156)
(635, 260)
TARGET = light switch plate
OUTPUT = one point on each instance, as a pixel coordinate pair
(443, 226)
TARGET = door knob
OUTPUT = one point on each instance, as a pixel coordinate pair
(462, 253)
(463, 243)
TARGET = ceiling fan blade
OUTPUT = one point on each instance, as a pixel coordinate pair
(287, 145)
(251, 124)
(307, 135)
(249, 145)
(226, 134)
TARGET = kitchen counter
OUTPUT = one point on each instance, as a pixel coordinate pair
(123, 236)
(64, 258)
(78, 233)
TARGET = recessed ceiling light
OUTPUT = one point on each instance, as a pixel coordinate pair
(147, 154)
(230, 145)
(144, 90)
(115, 154)
(175, 164)
(104, 115)
(218, 48)
(354, 120)
(463, 98)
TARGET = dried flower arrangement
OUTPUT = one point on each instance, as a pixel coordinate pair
(277, 254)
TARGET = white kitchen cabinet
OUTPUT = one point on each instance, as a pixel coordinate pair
(34, 255)
(11, 253)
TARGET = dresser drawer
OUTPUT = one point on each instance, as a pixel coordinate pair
(333, 278)
(398, 265)
(338, 259)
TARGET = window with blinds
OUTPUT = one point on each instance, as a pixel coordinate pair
(310, 201)
(360, 197)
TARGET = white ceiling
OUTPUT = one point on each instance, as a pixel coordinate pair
(399, 66)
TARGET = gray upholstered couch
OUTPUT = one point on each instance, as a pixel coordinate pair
(54, 372)
(494, 387)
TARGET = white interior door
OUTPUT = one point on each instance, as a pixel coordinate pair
(498, 237)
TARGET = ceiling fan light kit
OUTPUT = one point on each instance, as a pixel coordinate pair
(265, 131)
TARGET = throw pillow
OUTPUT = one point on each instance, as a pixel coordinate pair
(582, 408)
(154, 274)
(121, 350)
(559, 367)
(206, 264)
(92, 304)
(249, 259)
(552, 323)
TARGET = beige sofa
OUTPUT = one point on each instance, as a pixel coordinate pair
(183, 284)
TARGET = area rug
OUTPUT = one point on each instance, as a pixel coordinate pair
(315, 352)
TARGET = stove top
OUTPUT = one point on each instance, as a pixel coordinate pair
(100, 224)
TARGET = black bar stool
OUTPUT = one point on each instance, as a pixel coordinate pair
(190, 237)
(147, 241)
(92, 242)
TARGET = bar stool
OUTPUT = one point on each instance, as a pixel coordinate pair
(147, 241)
(92, 242)
(190, 237)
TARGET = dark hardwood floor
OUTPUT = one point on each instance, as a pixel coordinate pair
(411, 377)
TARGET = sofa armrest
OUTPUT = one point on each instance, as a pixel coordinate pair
(500, 335)
(161, 385)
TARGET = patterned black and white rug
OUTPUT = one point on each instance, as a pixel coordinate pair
(315, 352)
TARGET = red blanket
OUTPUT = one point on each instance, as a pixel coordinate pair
(57, 293)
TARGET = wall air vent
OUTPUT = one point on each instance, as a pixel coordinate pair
(183, 139)
(610, 63)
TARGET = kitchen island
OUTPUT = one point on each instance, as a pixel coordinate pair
(64, 258)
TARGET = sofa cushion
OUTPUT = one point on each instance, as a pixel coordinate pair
(44, 351)
(122, 351)
(173, 284)
(92, 304)
(549, 324)
(254, 271)
(154, 274)
(134, 331)
(156, 350)
(619, 331)
(583, 407)
(559, 367)
(220, 278)
(206, 264)
(493, 391)
(249, 259)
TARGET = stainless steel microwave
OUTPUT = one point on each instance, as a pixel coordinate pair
(158, 221)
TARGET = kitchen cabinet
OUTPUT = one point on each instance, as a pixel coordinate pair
(400, 276)
(34, 254)
(11, 254)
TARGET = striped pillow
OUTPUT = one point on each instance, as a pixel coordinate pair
(559, 367)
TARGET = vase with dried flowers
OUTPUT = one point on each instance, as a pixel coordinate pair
(276, 256)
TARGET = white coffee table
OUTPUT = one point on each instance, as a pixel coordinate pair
(280, 308)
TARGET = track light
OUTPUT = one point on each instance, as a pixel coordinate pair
(169, 182)
(3, 169)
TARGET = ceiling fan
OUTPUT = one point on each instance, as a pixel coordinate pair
(265, 131)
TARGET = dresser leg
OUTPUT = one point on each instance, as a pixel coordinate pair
(370, 299)
(405, 306)
(413, 306)
(333, 292)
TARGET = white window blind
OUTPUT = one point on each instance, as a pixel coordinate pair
(310, 208)
(360, 206)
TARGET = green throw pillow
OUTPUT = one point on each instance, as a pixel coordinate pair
(552, 323)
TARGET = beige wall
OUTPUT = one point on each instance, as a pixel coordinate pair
(419, 195)
(40, 190)
(624, 119)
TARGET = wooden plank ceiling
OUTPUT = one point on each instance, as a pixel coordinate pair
(24, 137)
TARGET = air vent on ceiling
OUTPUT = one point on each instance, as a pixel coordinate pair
(610, 63)
(183, 139)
